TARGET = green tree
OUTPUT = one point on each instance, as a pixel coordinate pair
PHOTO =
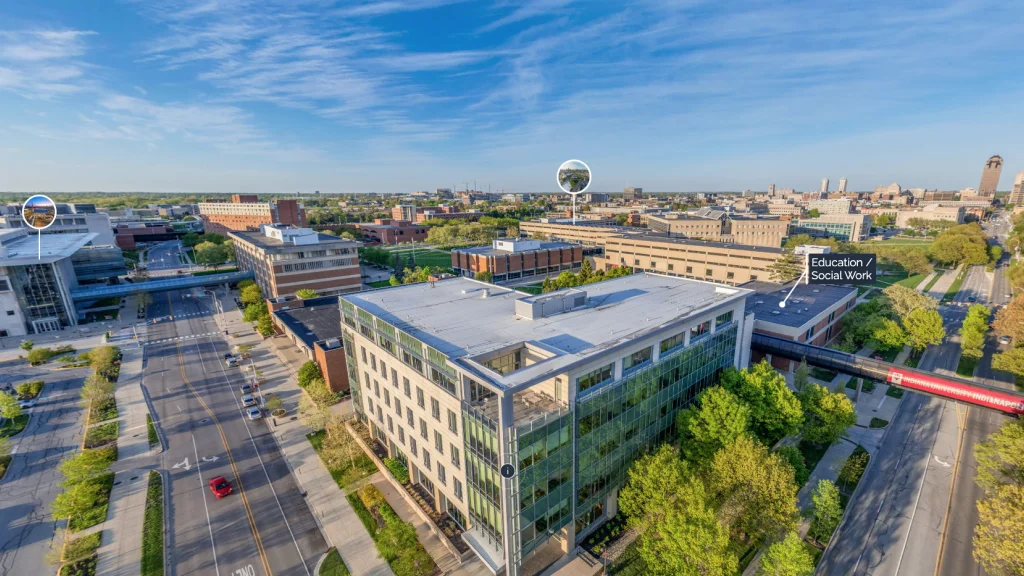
(26, 345)
(9, 407)
(889, 335)
(213, 238)
(96, 389)
(83, 466)
(973, 329)
(307, 293)
(787, 268)
(995, 252)
(245, 284)
(788, 557)
(484, 276)
(826, 414)
(273, 402)
(795, 459)
(754, 489)
(1010, 361)
(814, 213)
(253, 312)
(39, 355)
(308, 372)
(1000, 531)
(651, 486)
(190, 239)
(566, 280)
(548, 285)
(826, 509)
(265, 326)
(314, 416)
(775, 411)
(210, 254)
(394, 281)
(904, 300)
(251, 295)
(801, 376)
(76, 500)
(586, 271)
(1010, 318)
(923, 327)
(718, 420)
(398, 265)
(1001, 457)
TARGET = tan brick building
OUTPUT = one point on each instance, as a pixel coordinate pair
(285, 260)
(712, 261)
(314, 327)
(390, 231)
(244, 213)
(514, 258)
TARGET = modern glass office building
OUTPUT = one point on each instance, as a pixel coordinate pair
(463, 381)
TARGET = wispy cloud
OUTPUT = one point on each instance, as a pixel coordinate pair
(43, 63)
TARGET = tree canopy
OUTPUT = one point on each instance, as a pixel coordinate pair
(787, 557)
(718, 419)
(774, 410)
(826, 414)
(923, 327)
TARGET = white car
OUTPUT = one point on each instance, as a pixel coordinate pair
(27, 403)
(248, 400)
(1004, 339)
(233, 361)
(255, 413)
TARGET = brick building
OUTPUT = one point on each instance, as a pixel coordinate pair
(244, 213)
(314, 327)
(285, 260)
(813, 314)
(514, 258)
(391, 231)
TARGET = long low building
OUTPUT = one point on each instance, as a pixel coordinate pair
(314, 327)
(514, 258)
(953, 214)
(696, 259)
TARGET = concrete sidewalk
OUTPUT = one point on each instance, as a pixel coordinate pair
(121, 551)
(133, 436)
(338, 521)
(446, 563)
(938, 290)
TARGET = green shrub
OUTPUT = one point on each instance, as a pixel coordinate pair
(308, 372)
(81, 547)
(398, 470)
(39, 355)
(84, 567)
(30, 389)
(792, 455)
(153, 528)
(371, 496)
(101, 435)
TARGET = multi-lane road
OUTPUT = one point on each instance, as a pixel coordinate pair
(265, 527)
(165, 256)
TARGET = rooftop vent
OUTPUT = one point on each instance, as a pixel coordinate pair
(332, 343)
(485, 293)
(776, 312)
(551, 304)
(758, 302)
(816, 290)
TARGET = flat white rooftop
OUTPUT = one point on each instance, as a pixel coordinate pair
(453, 317)
(20, 247)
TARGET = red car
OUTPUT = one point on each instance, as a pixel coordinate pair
(220, 486)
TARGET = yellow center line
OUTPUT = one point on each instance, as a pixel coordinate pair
(231, 459)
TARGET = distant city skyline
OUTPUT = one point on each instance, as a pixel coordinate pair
(198, 96)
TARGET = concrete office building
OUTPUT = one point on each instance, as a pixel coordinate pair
(813, 314)
(830, 206)
(687, 226)
(843, 227)
(784, 209)
(286, 259)
(69, 223)
(842, 185)
(515, 258)
(694, 259)
(633, 194)
(990, 176)
(953, 214)
(1017, 193)
(244, 213)
(824, 185)
(457, 378)
(36, 278)
(585, 233)
(594, 198)
(719, 226)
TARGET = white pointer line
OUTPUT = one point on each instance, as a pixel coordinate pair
(783, 303)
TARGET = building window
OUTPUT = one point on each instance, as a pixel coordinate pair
(671, 343)
(723, 319)
(753, 277)
(401, 435)
(376, 389)
(383, 369)
(810, 332)
(373, 361)
(398, 407)
(391, 427)
(426, 459)
(363, 350)
(700, 330)
(394, 378)
(595, 377)
(636, 261)
(832, 316)
(671, 267)
(689, 269)
(423, 429)
(419, 397)
(380, 415)
(408, 417)
(369, 404)
(438, 443)
(707, 272)
(729, 275)
(435, 409)
(458, 488)
(387, 398)
(636, 359)
(453, 422)
(441, 474)
(455, 456)
(405, 387)
(412, 446)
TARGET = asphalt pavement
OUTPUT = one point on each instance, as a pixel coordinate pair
(164, 256)
(54, 431)
(265, 527)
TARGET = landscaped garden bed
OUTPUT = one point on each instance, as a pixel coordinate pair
(153, 527)
(867, 387)
(396, 540)
(105, 409)
(98, 512)
(344, 476)
(101, 435)
(606, 535)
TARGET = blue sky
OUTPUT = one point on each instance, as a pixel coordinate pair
(402, 95)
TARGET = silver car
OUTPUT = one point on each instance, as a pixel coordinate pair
(248, 400)
(255, 413)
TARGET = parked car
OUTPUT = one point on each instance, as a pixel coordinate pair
(246, 389)
(232, 361)
(972, 299)
(220, 486)
(27, 403)
(248, 400)
(1004, 339)
(255, 413)
(228, 355)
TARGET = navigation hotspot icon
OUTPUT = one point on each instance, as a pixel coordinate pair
(573, 178)
(39, 212)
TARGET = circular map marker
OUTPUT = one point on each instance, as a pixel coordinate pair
(573, 176)
(39, 212)
(508, 471)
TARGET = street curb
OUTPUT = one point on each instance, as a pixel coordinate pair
(166, 483)
(323, 558)
(156, 423)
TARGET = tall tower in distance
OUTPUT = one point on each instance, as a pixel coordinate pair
(824, 185)
(1017, 194)
(842, 185)
(632, 194)
(771, 190)
(990, 176)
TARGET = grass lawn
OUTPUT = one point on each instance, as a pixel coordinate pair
(867, 387)
(822, 374)
(84, 567)
(529, 288)
(955, 286)
(81, 547)
(5, 461)
(904, 242)
(889, 274)
(379, 284)
(888, 355)
(966, 366)
(878, 423)
(344, 477)
(333, 565)
(209, 272)
(103, 410)
(424, 258)
(390, 533)
(101, 435)
(12, 426)
(98, 513)
(812, 453)
(629, 563)
(912, 281)
(912, 360)
(894, 392)
(151, 431)
(935, 278)
(153, 528)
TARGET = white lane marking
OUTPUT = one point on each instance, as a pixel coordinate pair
(184, 464)
(209, 525)
(245, 422)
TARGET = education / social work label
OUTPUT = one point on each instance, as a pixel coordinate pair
(841, 269)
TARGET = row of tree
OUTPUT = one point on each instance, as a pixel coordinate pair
(961, 244)
(699, 504)
(586, 275)
(973, 331)
(999, 533)
(899, 316)
(256, 309)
